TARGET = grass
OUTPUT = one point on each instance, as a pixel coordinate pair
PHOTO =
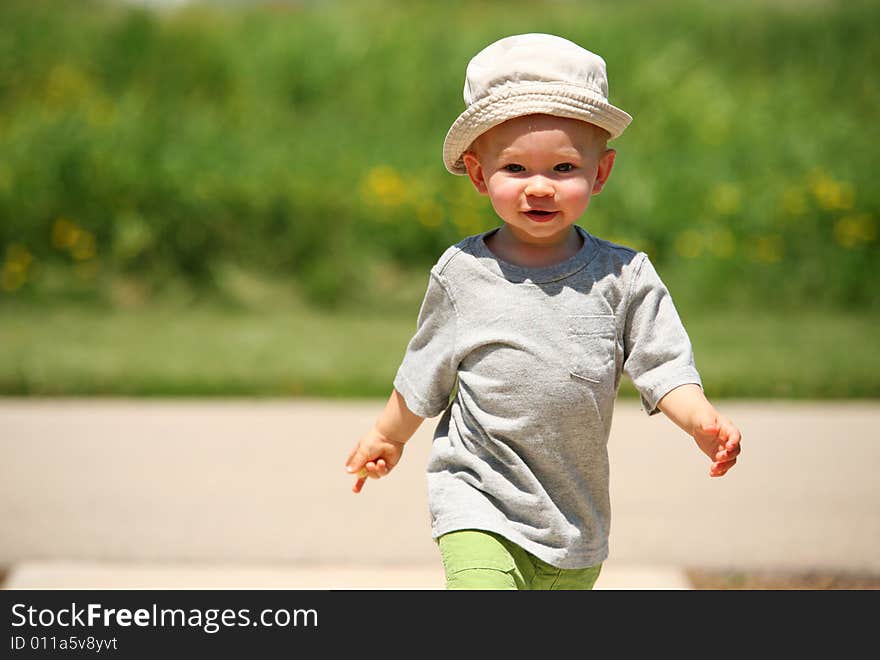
(212, 350)
(809, 354)
(197, 352)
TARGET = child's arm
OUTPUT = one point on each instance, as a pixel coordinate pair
(714, 433)
(379, 450)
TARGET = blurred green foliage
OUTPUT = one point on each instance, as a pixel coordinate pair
(212, 350)
(302, 144)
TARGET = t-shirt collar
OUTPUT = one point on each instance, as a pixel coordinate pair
(521, 274)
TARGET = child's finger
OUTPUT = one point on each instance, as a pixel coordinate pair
(371, 469)
(361, 480)
(356, 460)
(377, 468)
(734, 440)
(727, 452)
(728, 430)
(719, 469)
(723, 457)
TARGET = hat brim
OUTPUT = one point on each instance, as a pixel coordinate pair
(556, 99)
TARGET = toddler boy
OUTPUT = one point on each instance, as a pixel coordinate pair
(525, 331)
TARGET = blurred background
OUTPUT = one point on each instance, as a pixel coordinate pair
(203, 200)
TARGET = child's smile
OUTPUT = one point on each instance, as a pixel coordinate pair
(541, 216)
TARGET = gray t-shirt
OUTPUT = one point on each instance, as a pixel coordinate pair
(537, 355)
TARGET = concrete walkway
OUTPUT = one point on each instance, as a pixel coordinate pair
(252, 494)
(206, 575)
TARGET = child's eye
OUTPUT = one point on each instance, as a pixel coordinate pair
(513, 167)
(564, 167)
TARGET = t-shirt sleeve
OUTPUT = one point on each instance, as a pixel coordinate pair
(658, 356)
(427, 373)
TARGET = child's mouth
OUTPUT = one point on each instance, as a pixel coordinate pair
(540, 216)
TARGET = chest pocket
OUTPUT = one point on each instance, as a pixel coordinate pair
(591, 342)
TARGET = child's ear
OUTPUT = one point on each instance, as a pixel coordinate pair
(606, 162)
(475, 172)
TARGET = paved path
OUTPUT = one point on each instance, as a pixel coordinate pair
(254, 492)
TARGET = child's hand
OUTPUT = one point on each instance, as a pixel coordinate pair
(374, 456)
(719, 439)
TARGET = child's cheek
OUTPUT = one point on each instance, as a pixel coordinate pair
(581, 193)
(504, 193)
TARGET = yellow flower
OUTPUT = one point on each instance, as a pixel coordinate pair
(851, 230)
(768, 249)
(10, 281)
(65, 85)
(464, 196)
(726, 198)
(64, 233)
(793, 201)
(15, 268)
(429, 214)
(830, 194)
(689, 244)
(84, 248)
(468, 222)
(383, 186)
(18, 255)
(67, 235)
(467, 209)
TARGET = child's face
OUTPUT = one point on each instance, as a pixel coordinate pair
(540, 172)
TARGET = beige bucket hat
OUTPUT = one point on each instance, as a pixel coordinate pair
(528, 74)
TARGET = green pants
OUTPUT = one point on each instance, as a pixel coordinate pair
(476, 559)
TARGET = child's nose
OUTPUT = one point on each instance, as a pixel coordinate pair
(539, 186)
